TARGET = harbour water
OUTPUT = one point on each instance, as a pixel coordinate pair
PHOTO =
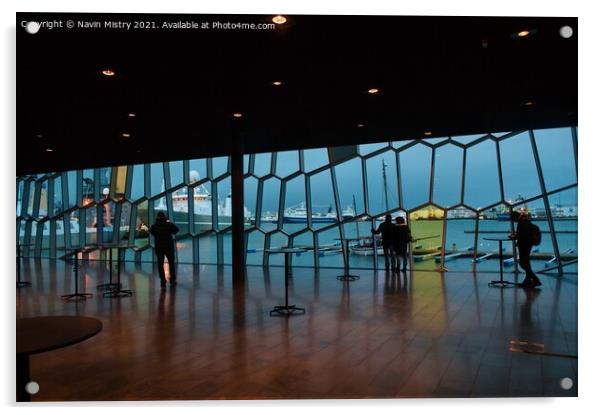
(460, 234)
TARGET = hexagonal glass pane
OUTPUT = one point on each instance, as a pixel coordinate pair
(361, 252)
(287, 163)
(350, 184)
(219, 166)
(28, 198)
(91, 224)
(563, 206)
(447, 182)
(61, 236)
(556, 153)
(518, 168)
(382, 183)
(198, 170)
(270, 203)
(73, 229)
(467, 139)
(434, 140)
(415, 166)
(323, 211)
(207, 249)
(329, 248)
(108, 220)
(314, 159)
(459, 238)
(179, 215)
(123, 221)
(295, 205)
(245, 163)
(157, 179)
(184, 253)
(176, 173)
(44, 200)
(142, 224)
(71, 189)
(371, 148)
(262, 164)
(482, 185)
(250, 200)
(203, 207)
(304, 240)
(20, 189)
(426, 225)
(57, 197)
(137, 184)
(255, 248)
(277, 240)
(224, 209)
(493, 222)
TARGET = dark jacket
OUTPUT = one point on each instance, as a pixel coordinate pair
(523, 233)
(402, 236)
(386, 229)
(163, 231)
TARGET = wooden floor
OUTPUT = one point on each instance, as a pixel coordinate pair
(425, 335)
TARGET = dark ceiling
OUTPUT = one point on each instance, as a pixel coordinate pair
(447, 75)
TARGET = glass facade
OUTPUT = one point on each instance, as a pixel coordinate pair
(453, 191)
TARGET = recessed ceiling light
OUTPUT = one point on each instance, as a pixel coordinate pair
(49, 150)
(360, 125)
(125, 135)
(131, 115)
(279, 19)
(523, 33)
(39, 135)
(277, 83)
(528, 104)
(237, 115)
(107, 72)
(373, 91)
(427, 133)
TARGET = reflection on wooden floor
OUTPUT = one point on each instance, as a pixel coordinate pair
(383, 336)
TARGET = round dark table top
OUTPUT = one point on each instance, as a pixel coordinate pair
(498, 238)
(42, 334)
(285, 250)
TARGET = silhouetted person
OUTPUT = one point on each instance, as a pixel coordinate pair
(163, 231)
(401, 237)
(386, 229)
(524, 240)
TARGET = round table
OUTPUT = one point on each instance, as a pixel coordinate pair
(114, 289)
(501, 281)
(76, 296)
(43, 334)
(286, 309)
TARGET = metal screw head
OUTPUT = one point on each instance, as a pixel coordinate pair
(32, 388)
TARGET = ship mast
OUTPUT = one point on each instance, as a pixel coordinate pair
(386, 193)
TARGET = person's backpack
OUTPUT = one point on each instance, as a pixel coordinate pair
(535, 234)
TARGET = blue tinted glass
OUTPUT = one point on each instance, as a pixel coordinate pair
(555, 147)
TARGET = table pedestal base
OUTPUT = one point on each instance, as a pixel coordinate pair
(108, 286)
(118, 293)
(501, 283)
(286, 310)
(76, 296)
(348, 277)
